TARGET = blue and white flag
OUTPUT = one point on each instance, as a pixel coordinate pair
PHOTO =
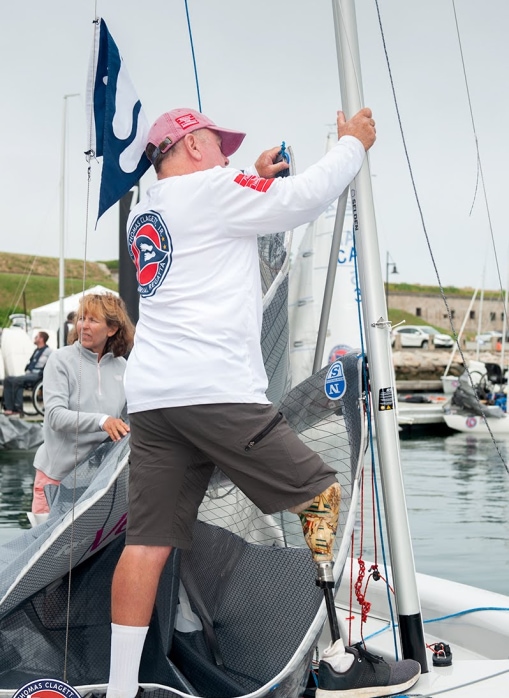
(119, 125)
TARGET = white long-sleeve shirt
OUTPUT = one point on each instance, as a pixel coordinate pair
(194, 241)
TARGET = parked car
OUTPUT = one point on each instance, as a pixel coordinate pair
(486, 338)
(419, 336)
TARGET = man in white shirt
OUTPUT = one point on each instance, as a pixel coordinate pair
(195, 380)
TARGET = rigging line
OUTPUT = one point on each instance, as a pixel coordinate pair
(476, 185)
(488, 212)
(42, 221)
(73, 507)
(424, 228)
(24, 279)
(371, 439)
(447, 617)
(407, 157)
(88, 156)
(479, 163)
(194, 57)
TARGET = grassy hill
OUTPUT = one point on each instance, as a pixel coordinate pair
(396, 316)
(27, 282)
(450, 291)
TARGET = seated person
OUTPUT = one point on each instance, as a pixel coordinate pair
(84, 396)
(14, 385)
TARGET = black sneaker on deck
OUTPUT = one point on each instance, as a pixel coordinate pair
(368, 677)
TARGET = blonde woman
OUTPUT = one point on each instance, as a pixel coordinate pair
(84, 396)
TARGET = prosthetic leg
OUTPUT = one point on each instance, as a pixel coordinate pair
(320, 522)
(352, 670)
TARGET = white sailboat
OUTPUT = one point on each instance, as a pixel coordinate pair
(479, 402)
(475, 424)
(307, 283)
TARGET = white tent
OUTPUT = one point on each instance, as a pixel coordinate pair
(46, 317)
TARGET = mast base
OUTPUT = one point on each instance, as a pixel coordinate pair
(412, 639)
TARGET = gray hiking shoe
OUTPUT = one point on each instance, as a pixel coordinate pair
(368, 677)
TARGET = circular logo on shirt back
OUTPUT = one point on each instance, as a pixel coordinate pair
(151, 249)
(47, 688)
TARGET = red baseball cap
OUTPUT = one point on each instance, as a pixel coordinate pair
(170, 127)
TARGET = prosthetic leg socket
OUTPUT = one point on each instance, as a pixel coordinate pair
(320, 523)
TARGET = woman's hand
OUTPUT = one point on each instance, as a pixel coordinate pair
(116, 428)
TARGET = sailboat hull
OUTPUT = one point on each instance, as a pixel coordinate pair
(473, 424)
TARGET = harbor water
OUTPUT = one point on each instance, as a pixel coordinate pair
(457, 492)
(458, 506)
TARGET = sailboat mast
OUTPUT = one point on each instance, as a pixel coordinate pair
(377, 332)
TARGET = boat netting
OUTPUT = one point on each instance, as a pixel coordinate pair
(238, 614)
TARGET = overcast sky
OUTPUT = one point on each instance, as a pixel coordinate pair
(269, 68)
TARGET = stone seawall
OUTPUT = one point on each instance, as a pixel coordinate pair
(429, 365)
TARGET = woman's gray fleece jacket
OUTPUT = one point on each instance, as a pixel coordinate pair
(78, 392)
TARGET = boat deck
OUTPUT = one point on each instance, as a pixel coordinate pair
(470, 675)
(420, 413)
(463, 617)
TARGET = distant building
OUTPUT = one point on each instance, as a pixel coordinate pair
(430, 307)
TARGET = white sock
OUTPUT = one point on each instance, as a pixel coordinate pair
(336, 656)
(126, 648)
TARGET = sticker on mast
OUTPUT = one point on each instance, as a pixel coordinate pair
(385, 400)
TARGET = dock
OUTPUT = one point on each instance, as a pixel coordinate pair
(429, 412)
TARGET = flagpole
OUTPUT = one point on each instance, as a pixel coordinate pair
(61, 266)
(127, 280)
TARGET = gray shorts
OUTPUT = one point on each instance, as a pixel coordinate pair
(174, 451)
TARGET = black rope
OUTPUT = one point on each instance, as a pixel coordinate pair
(421, 215)
(194, 57)
(479, 163)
